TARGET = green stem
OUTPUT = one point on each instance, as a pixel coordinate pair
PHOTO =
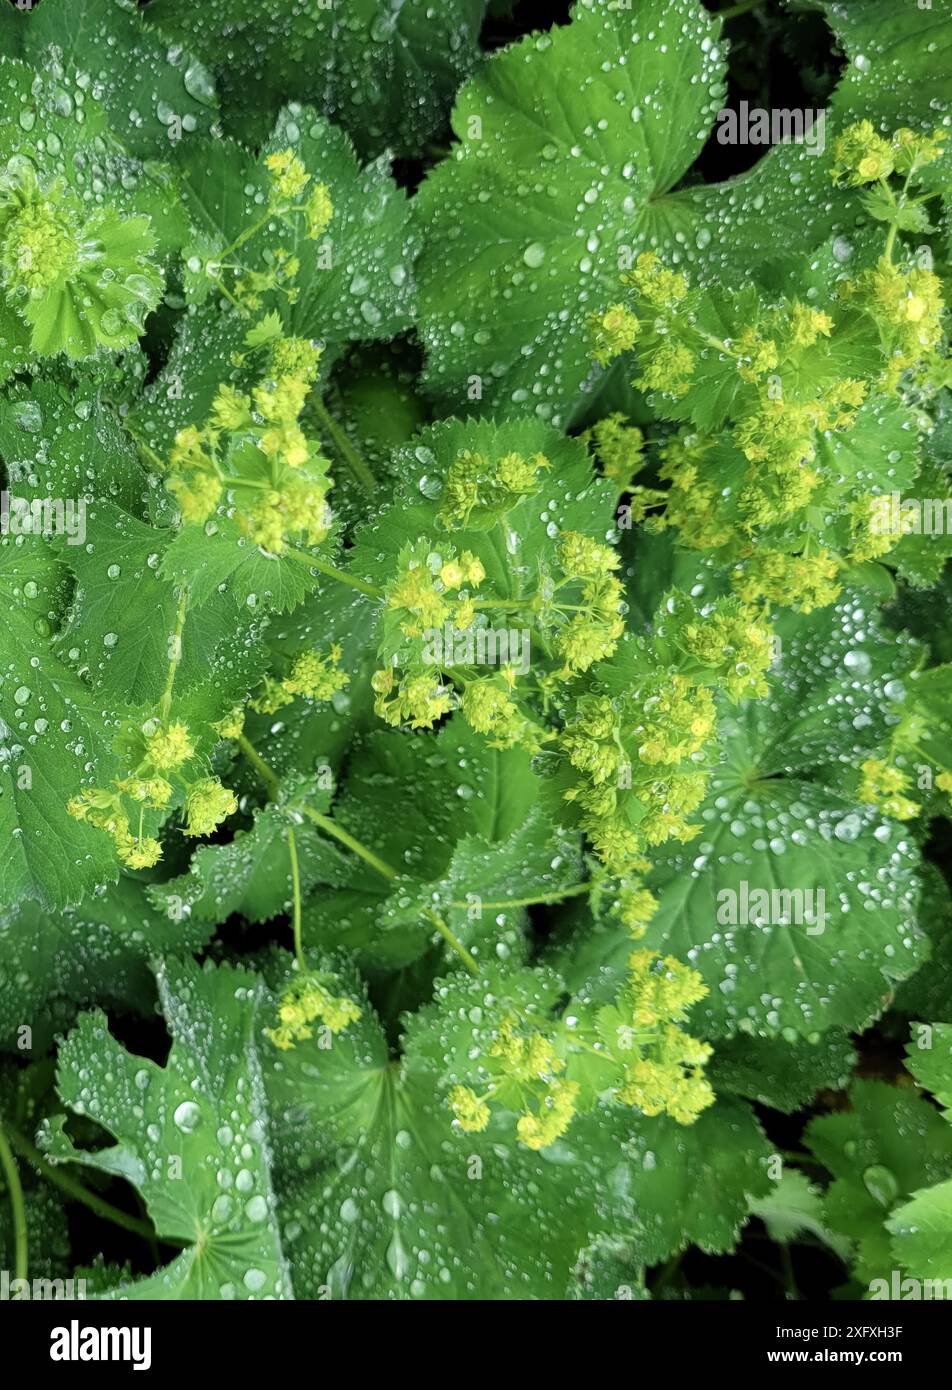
(296, 889)
(223, 289)
(742, 8)
(343, 837)
(82, 1194)
(337, 832)
(341, 576)
(147, 449)
(556, 897)
(504, 602)
(18, 1208)
(245, 236)
(343, 447)
(165, 703)
(267, 774)
(453, 940)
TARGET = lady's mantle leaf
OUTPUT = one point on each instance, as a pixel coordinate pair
(889, 1144)
(52, 731)
(155, 93)
(191, 1135)
(379, 1198)
(922, 1228)
(837, 929)
(385, 72)
(88, 954)
(568, 142)
(470, 835)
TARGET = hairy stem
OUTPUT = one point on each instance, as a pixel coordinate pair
(556, 896)
(343, 837)
(267, 774)
(344, 449)
(11, 1175)
(742, 8)
(296, 889)
(72, 1188)
(453, 940)
(341, 576)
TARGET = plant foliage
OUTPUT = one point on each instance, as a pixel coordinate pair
(475, 725)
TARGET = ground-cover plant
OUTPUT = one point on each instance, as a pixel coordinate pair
(475, 712)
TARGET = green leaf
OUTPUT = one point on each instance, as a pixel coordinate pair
(568, 143)
(470, 835)
(513, 555)
(356, 279)
(882, 1150)
(793, 964)
(92, 953)
(930, 1061)
(223, 560)
(154, 92)
(923, 1237)
(52, 733)
(928, 994)
(251, 874)
(780, 1074)
(191, 1136)
(356, 282)
(381, 1199)
(795, 1209)
(387, 74)
(899, 68)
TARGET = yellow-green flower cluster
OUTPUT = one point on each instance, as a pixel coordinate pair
(207, 804)
(39, 244)
(254, 449)
(489, 707)
(637, 761)
(757, 355)
(803, 581)
(667, 1076)
(872, 534)
(469, 1111)
(693, 501)
(781, 435)
(635, 906)
(782, 411)
(307, 1001)
(611, 332)
(861, 155)
(634, 1051)
(669, 368)
(422, 592)
(232, 725)
(524, 1065)
(311, 677)
(619, 448)
(419, 699)
(735, 643)
(103, 808)
(251, 286)
(478, 490)
(592, 634)
(165, 747)
(908, 307)
(289, 181)
(660, 288)
(885, 785)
